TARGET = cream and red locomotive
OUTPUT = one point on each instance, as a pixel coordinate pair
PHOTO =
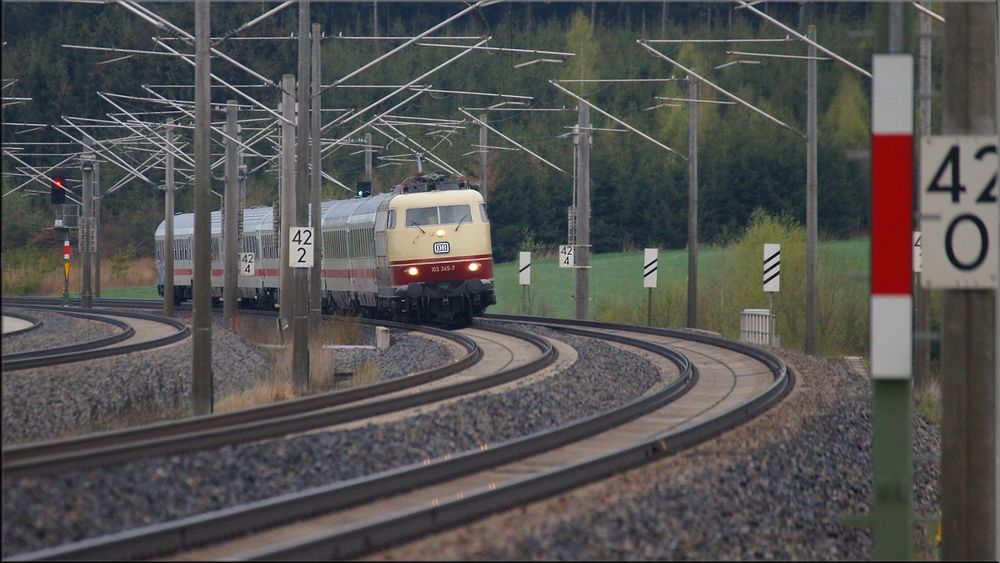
(420, 252)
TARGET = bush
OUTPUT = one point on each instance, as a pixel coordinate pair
(31, 271)
(122, 260)
(842, 309)
(740, 285)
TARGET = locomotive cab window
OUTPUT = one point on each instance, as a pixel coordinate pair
(422, 216)
(391, 220)
(444, 215)
(455, 214)
(482, 213)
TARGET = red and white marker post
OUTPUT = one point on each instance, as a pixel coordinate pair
(66, 267)
(892, 217)
(892, 304)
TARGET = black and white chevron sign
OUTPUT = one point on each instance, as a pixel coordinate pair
(524, 268)
(772, 268)
(649, 260)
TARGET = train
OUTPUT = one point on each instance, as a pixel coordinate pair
(421, 252)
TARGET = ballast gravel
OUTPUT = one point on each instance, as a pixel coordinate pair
(56, 330)
(46, 403)
(793, 484)
(408, 353)
(51, 510)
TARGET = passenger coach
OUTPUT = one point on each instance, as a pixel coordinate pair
(421, 252)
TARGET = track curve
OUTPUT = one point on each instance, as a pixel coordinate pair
(18, 323)
(278, 419)
(139, 331)
(497, 481)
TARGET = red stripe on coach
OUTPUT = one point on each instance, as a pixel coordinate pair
(892, 214)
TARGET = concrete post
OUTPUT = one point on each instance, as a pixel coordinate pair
(230, 255)
(368, 157)
(692, 290)
(483, 156)
(86, 230)
(201, 362)
(968, 338)
(97, 229)
(582, 249)
(316, 186)
(300, 277)
(168, 227)
(921, 297)
(812, 227)
(287, 198)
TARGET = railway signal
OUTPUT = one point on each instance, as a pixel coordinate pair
(58, 192)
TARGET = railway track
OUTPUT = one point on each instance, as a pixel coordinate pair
(137, 331)
(459, 377)
(721, 384)
(26, 323)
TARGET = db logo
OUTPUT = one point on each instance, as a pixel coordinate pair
(442, 247)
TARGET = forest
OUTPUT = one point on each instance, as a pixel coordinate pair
(639, 190)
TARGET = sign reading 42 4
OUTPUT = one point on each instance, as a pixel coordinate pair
(247, 264)
(567, 258)
(958, 207)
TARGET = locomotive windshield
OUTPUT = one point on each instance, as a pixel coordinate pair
(443, 215)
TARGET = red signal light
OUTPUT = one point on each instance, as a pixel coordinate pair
(58, 192)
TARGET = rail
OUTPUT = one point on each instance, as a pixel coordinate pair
(98, 348)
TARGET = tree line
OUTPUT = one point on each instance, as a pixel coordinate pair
(639, 191)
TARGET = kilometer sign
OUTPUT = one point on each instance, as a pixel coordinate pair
(958, 207)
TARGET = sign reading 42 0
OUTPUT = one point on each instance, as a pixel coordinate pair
(958, 207)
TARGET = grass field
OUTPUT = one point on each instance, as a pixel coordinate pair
(725, 287)
(613, 277)
(139, 292)
(729, 280)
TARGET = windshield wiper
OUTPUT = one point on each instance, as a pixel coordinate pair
(414, 223)
(462, 220)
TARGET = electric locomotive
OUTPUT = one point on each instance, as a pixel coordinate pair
(419, 252)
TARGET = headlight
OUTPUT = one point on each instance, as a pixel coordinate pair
(412, 270)
(439, 233)
(474, 267)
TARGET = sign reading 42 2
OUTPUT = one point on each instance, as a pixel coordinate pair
(958, 207)
(300, 247)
